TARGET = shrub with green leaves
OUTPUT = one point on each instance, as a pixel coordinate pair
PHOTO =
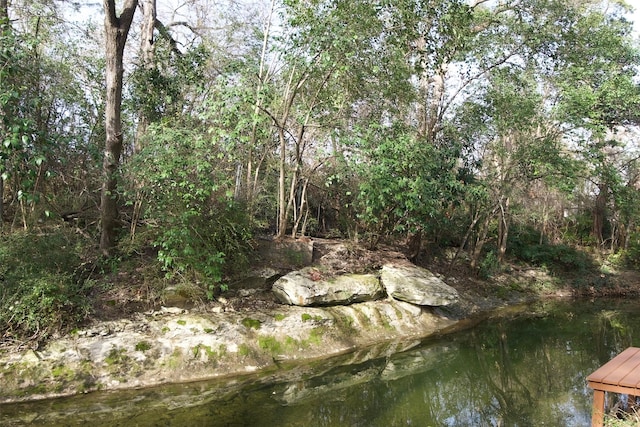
(489, 265)
(40, 292)
(526, 244)
(631, 255)
(200, 231)
(559, 258)
(406, 183)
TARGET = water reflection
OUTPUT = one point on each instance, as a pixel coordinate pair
(524, 370)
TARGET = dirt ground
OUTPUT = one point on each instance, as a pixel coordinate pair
(140, 288)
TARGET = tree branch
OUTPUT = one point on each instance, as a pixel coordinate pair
(164, 33)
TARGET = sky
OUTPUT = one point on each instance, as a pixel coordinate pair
(636, 15)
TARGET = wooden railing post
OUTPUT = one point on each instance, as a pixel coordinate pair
(597, 413)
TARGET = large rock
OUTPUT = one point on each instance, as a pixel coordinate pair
(416, 286)
(307, 287)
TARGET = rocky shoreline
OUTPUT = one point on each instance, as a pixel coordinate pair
(232, 337)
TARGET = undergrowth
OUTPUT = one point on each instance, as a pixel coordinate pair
(42, 288)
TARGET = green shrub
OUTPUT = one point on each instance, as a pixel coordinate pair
(631, 256)
(522, 237)
(489, 265)
(525, 244)
(200, 232)
(558, 258)
(198, 228)
(42, 290)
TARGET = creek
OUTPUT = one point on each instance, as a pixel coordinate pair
(527, 368)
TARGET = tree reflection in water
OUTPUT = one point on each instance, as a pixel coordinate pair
(527, 370)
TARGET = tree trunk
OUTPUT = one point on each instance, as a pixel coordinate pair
(282, 198)
(503, 229)
(147, 56)
(116, 31)
(599, 213)
(253, 140)
(290, 94)
(1, 202)
(4, 29)
(302, 210)
(147, 50)
(480, 241)
(465, 239)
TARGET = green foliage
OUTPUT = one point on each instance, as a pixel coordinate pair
(41, 291)
(578, 229)
(523, 236)
(18, 131)
(159, 90)
(628, 420)
(45, 115)
(558, 258)
(489, 266)
(406, 183)
(526, 245)
(631, 256)
(597, 77)
(201, 232)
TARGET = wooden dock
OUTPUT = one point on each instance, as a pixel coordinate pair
(620, 375)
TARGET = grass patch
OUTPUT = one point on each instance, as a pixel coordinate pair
(623, 419)
(62, 372)
(250, 323)
(306, 317)
(315, 336)
(243, 350)
(211, 354)
(143, 346)
(116, 356)
(175, 359)
(271, 344)
(345, 323)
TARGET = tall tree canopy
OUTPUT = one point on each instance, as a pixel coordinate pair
(460, 122)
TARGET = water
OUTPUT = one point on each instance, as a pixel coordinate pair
(526, 369)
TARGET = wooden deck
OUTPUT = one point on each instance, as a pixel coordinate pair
(620, 375)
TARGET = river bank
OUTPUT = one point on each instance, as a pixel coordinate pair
(248, 331)
(527, 366)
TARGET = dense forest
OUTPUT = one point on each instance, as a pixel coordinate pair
(170, 135)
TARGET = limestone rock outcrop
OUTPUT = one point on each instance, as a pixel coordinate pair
(416, 285)
(308, 287)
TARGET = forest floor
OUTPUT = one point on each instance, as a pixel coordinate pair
(138, 286)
